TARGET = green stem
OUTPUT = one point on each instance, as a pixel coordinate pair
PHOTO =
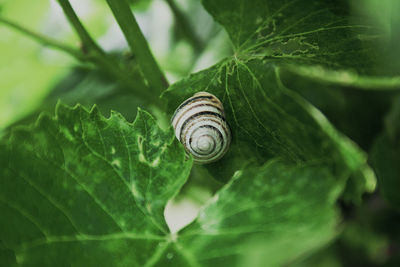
(97, 56)
(42, 38)
(138, 44)
(88, 43)
(184, 25)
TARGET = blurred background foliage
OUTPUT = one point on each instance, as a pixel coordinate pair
(49, 75)
(184, 39)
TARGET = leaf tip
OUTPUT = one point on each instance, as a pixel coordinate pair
(62, 108)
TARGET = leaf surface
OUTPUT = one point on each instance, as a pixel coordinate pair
(89, 191)
(267, 120)
(80, 182)
(272, 120)
(92, 191)
(322, 40)
(270, 214)
(312, 32)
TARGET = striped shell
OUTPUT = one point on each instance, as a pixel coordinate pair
(200, 126)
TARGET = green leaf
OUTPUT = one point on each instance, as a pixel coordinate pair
(356, 113)
(316, 39)
(90, 191)
(89, 87)
(93, 86)
(293, 30)
(267, 120)
(80, 182)
(268, 215)
(346, 78)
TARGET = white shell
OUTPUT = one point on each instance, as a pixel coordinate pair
(200, 125)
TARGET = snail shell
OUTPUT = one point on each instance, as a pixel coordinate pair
(200, 125)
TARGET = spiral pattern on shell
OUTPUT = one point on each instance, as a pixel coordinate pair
(200, 125)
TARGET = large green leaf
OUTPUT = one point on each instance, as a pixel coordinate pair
(312, 32)
(82, 183)
(316, 39)
(84, 190)
(268, 120)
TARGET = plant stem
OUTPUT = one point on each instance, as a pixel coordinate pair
(138, 44)
(88, 43)
(97, 56)
(42, 38)
(185, 26)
